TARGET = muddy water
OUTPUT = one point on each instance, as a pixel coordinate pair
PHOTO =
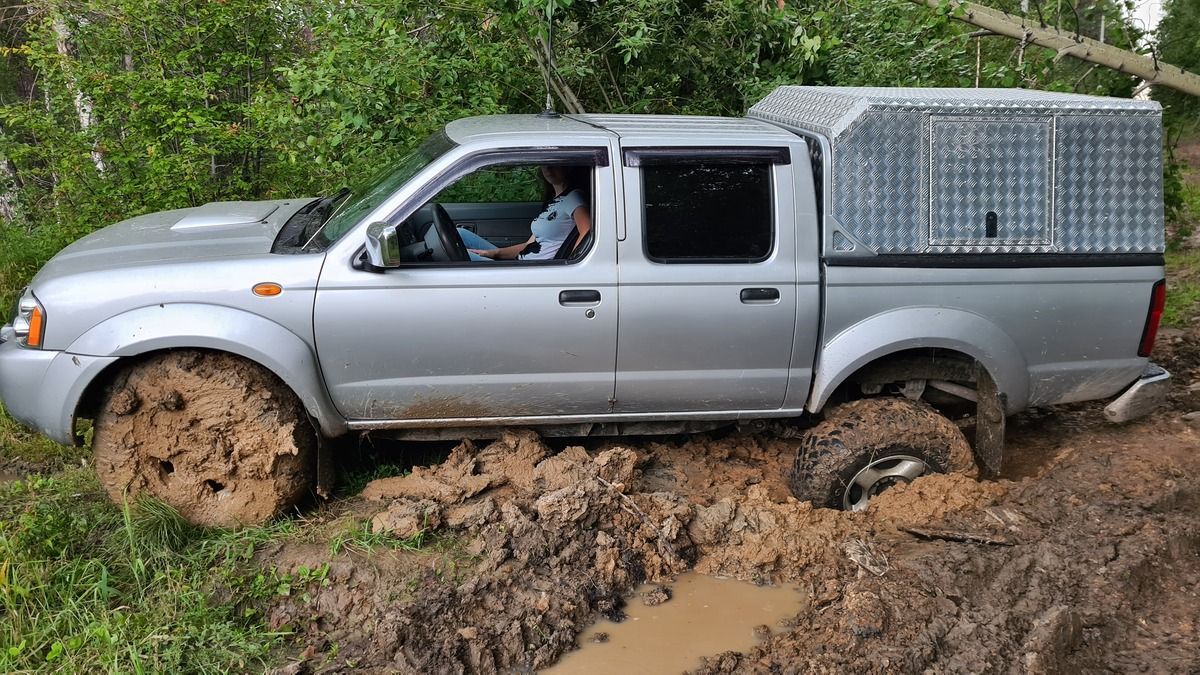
(6, 477)
(705, 616)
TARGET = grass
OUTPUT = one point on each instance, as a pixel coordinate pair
(1183, 287)
(359, 537)
(1183, 264)
(30, 448)
(87, 586)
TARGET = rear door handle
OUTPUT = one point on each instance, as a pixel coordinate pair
(759, 295)
(578, 298)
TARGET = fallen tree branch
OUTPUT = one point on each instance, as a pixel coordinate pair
(1066, 43)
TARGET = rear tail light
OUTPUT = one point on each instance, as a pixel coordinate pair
(1158, 300)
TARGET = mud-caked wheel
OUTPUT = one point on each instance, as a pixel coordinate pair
(217, 437)
(866, 446)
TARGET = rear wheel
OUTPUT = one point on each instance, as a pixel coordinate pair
(866, 446)
(217, 437)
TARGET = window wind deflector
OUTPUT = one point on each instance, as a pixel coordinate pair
(634, 157)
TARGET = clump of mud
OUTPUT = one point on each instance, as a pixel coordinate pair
(218, 438)
(562, 538)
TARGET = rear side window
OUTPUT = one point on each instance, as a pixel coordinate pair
(707, 212)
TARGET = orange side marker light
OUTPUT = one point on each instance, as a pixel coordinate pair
(36, 324)
(267, 289)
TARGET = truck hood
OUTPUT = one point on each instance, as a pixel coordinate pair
(214, 230)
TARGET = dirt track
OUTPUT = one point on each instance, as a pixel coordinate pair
(1094, 560)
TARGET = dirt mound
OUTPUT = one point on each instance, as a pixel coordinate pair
(560, 538)
(1105, 549)
(218, 438)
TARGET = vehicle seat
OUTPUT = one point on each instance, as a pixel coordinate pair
(569, 251)
(584, 245)
(568, 245)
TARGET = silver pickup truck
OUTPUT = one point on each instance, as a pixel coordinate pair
(873, 269)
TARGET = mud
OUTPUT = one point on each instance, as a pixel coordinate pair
(704, 614)
(221, 440)
(1092, 560)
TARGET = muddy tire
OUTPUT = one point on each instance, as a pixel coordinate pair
(217, 437)
(864, 446)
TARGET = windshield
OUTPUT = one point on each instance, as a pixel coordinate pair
(370, 193)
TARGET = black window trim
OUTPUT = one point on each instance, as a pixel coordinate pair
(708, 159)
(697, 154)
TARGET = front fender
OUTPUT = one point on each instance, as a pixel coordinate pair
(183, 325)
(922, 327)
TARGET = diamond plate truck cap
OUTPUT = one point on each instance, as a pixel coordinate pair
(957, 171)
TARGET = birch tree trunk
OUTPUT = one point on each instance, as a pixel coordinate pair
(83, 104)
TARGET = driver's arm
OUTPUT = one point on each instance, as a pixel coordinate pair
(506, 253)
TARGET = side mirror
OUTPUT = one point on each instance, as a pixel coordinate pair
(383, 246)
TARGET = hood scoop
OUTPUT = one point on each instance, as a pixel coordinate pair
(224, 215)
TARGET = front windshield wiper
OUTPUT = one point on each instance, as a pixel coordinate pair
(321, 212)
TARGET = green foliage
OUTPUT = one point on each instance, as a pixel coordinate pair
(88, 587)
(1183, 288)
(360, 538)
(29, 447)
(507, 184)
(1179, 45)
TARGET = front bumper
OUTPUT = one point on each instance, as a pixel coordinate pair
(41, 389)
(1142, 397)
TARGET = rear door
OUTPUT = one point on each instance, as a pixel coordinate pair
(707, 280)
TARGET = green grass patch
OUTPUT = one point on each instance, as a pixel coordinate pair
(29, 447)
(1183, 288)
(359, 538)
(87, 586)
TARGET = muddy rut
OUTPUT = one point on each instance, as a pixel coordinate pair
(1084, 555)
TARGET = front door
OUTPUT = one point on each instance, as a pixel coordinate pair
(708, 281)
(472, 340)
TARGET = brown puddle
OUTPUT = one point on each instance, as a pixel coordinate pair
(704, 617)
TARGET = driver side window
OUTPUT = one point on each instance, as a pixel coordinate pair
(511, 212)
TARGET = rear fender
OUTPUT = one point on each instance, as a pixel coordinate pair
(188, 325)
(922, 327)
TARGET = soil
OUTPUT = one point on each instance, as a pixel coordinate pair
(220, 439)
(1083, 555)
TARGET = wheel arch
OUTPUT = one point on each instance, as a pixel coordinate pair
(139, 333)
(928, 330)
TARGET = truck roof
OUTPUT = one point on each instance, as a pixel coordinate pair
(692, 129)
(632, 129)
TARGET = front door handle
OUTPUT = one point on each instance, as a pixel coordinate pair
(578, 298)
(760, 295)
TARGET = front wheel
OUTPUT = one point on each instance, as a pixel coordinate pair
(866, 446)
(219, 438)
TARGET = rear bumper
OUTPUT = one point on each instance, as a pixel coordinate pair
(41, 388)
(1142, 397)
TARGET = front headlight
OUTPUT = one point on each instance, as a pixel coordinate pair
(30, 322)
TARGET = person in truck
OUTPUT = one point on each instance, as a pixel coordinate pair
(565, 210)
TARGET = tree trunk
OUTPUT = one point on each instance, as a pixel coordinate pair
(1150, 69)
(83, 104)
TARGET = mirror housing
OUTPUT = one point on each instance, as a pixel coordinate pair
(383, 246)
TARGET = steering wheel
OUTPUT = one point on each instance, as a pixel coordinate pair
(447, 234)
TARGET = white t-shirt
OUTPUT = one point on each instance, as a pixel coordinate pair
(554, 224)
